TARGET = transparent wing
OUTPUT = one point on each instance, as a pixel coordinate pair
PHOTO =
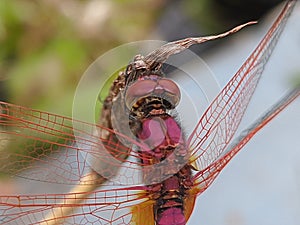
(42, 146)
(205, 177)
(115, 206)
(219, 123)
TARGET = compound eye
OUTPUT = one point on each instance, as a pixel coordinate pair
(170, 87)
(137, 90)
(162, 87)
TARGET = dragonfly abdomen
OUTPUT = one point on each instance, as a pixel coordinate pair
(169, 207)
(165, 168)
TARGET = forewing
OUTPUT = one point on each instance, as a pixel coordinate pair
(205, 177)
(219, 123)
(42, 146)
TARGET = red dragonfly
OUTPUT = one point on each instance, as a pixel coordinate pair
(151, 177)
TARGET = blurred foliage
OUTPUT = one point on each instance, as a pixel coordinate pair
(46, 45)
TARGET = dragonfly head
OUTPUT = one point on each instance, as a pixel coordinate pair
(153, 90)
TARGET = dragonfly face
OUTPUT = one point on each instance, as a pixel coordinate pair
(152, 88)
(158, 180)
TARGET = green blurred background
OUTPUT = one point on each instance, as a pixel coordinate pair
(46, 45)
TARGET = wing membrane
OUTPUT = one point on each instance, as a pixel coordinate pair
(42, 146)
(205, 177)
(219, 123)
(115, 206)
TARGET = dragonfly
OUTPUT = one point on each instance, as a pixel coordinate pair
(144, 170)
